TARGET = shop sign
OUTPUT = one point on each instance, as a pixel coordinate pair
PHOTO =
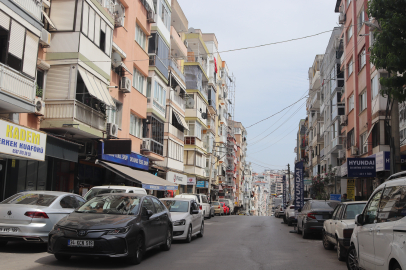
(22, 142)
(177, 178)
(351, 189)
(361, 167)
(382, 160)
(202, 184)
(133, 160)
(307, 181)
(335, 197)
(299, 185)
(154, 187)
(191, 181)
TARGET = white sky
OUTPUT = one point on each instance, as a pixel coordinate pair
(270, 78)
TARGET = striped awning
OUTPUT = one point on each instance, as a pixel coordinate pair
(96, 87)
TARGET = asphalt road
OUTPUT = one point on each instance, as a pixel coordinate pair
(230, 242)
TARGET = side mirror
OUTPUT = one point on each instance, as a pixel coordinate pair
(359, 220)
(195, 212)
(149, 213)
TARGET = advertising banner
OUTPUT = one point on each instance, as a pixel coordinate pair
(154, 187)
(299, 199)
(307, 181)
(176, 178)
(22, 142)
(191, 181)
(335, 197)
(131, 160)
(284, 191)
(351, 189)
(361, 167)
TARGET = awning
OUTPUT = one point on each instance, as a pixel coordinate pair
(178, 81)
(61, 148)
(96, 87)
(125, 67)
(180, 120)
(369, 133)
(49, 20)
(148, 180)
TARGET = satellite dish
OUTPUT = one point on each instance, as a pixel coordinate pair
(191, 30)
(190, 103)
(177, 89)
(116, 59)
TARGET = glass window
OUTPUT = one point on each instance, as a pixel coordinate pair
(30, 198)
(98, 191)
(67, 202)
(348, 3)
(362, 59)
(147, 205)
(336, 210)
(176, 206)
(350, 67)
(364, 148)
(349, 33)
(375, 86)
(363, 101)
(107, 204)
(138, 81)
(353, 210)
(392, 205)
(157, 205)
(371, 209)
(204, 199)
(135, 126)
(140, 37)
(361, 19)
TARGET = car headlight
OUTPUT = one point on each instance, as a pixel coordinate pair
(119, 230)
(179, 222)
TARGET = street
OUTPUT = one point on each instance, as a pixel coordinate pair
(234, 242)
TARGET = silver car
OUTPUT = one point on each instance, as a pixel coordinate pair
(29, 216)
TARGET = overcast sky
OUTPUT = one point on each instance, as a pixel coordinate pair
(269, 78)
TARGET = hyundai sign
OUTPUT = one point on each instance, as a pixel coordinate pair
(361, 167)
(299, 198)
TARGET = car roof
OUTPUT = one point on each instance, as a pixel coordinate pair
(47, 192)
(177, 199)
(119, 187)
(354, 202)
(124, 194)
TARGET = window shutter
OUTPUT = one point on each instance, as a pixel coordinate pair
(17, 35)
(97, 31)
(91, 24)
(85, 18)
(30, 54)
(4, 21)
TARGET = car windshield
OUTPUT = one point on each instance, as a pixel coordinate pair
(216, 203)
(111, 204)
(324, 204)
(353, 210)
(98, 191)
(176, 206)
(31, 198)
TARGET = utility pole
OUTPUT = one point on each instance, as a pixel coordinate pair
(289, 181)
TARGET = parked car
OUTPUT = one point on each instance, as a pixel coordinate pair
(311, 218)
(187, 219)
(113, 225)
(226, 210)
(379, 237)
(94, 191)
(229, 203)
(201, 200)
(290, 213)
(29, 216)
(337, 231)
(218, 209)
(279, 211)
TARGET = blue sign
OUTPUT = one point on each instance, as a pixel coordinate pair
(154, 187)
(335, 197)
(361, 167)
(299, 185)
(133, 160)
(202, 184)
(284, 191)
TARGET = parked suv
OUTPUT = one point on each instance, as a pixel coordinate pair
(337, 231)
(202, 201)
(379, 238)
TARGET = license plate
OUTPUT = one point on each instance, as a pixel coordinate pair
(8, 230)
(80, 243)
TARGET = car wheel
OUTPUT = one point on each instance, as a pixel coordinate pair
(340, 252)
(3, 243)
(396, 266)
(209, 217)
(200, 234)
(326, 243)
(168, 241)
(352, 259)
(189, 235)
(62, 257)
(139, 250)
(305, 235)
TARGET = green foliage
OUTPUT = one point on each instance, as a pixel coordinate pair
(38, 91)
(389, 50)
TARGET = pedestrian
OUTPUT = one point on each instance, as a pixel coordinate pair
(344, 198)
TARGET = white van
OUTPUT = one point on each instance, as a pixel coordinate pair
(201, 200)
(229, 203)
(94, 191)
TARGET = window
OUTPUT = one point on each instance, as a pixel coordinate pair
(392, 204)
(351, 103)
(140, 37)
(199, 160)
(114, 115)
(165, 16)
(160, 94)
(350, 67)
(336, 210)
(374, 86)
(135, 126)
(371, 209)
(149, 87)
(349, 33)
(352, 210)
(147, 205)
(158, 206)
(350, 138)
(40, 83)
(175, 150)
(376, 135)
(364, 143)
(361, 19)
(361, 59)
(138, 81)
(195, 129)
(363, 101)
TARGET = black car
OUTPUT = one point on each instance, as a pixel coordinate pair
(113, 225)
(311, 217)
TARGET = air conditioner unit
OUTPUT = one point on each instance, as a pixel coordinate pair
(341, 154)
(151, 17)
(39, 106)
(146, 144)
(343, 120)
(342, 18)
(112, 130)
(354, 150)
(125, 85)
(45, 39)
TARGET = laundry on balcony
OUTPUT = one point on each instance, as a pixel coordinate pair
(96, 87)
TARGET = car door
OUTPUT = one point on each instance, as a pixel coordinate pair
(205, 204)
(365, 233)
(162, 217)
(328, 224)
(336, 221)
(195, 217)
(150, 224)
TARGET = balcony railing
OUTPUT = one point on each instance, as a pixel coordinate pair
(176, 132)
(154, 146)
(16, 84)
(177, 100)
(159, 107)
(174, 65)
(154, 60)
(33, 7)
(68, 109)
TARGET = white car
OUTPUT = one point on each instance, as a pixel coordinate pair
(187, 219)
(337, 231)
(290, 213)
(94, 191)
(202, 201)
(379, 237)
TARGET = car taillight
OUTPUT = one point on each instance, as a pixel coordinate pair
(34, 214)
(347, 233)
(200, 207)
(292, 207)
(311, 215)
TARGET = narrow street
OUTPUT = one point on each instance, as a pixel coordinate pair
(232, 242)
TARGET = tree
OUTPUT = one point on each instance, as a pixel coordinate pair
(389, 49)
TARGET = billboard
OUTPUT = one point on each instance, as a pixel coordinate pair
(361, 167)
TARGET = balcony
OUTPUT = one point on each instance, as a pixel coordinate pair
(176, 132)
(193, 141)
(322, 153)
(315, 101)
(154, 60)
(150, 145)
(178, 48)
(33, 7)
(159, 107)
(176, 99)
(20, 87)
(177, 69)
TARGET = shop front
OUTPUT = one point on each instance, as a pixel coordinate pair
(178, 179)
(202, 187)
(191, 183)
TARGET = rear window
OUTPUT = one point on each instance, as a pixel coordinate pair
(324, 204)
(216, 203)
(31, 198)
(225, 201)
(98, 191)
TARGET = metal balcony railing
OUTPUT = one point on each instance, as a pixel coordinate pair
(33, 7)
(16, 84)
(154, 146)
